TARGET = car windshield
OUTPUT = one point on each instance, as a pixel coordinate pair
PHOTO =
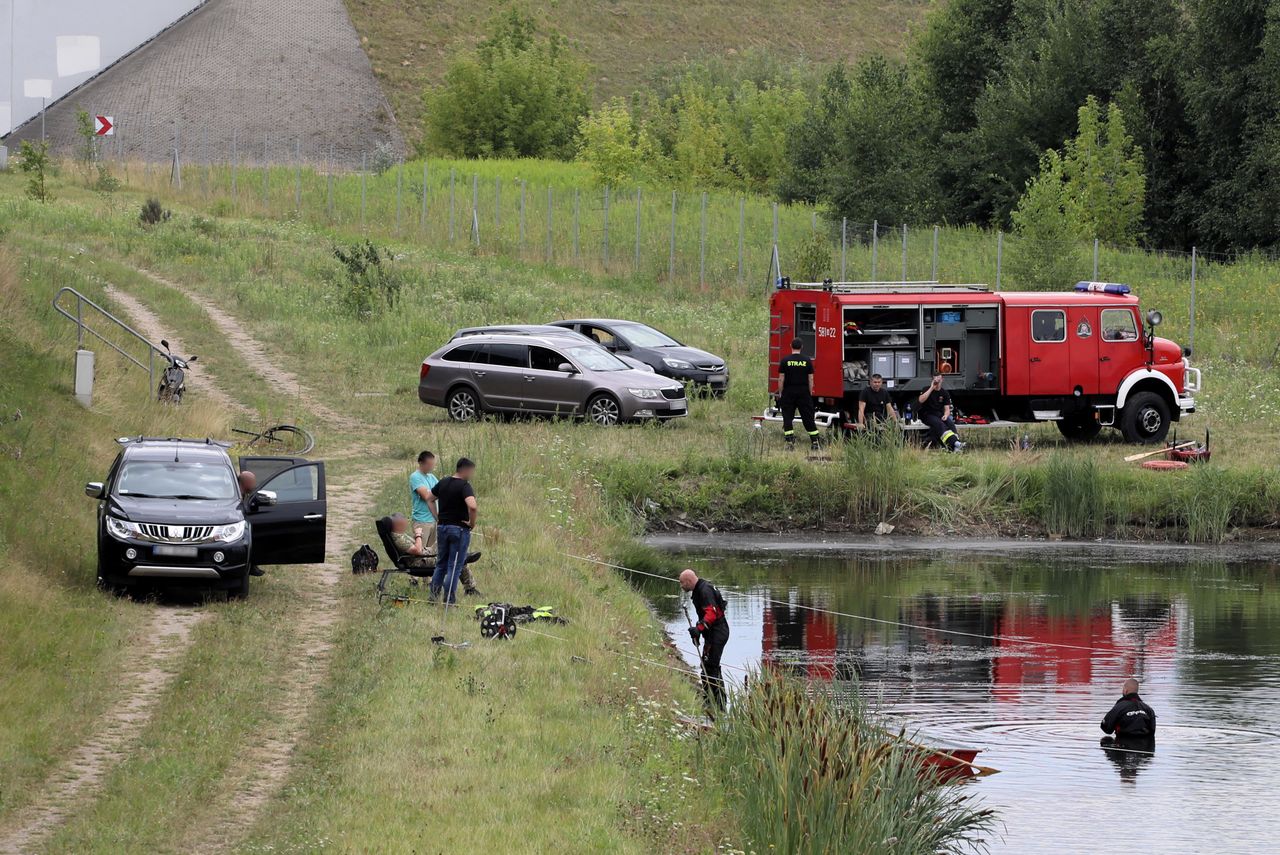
(639, 335)
(165, 479)
(596, 358)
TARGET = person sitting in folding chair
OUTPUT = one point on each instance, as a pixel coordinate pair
(413, 546)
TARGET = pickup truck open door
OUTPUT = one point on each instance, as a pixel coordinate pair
(292, 529)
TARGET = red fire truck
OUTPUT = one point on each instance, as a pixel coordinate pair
(1082, 359)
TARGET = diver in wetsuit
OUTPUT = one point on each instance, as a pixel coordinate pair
(1130, 718)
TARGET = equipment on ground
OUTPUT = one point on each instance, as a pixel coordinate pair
(364, 560)
(1084, 359)
(280, 439)
(1165, 465)
(1140, 455)
(1194, 454)
(497, 622)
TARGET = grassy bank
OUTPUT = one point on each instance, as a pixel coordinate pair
(402, 742)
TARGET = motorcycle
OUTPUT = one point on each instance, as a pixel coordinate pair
(173, 381)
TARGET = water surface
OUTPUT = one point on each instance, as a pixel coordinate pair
(937, 639)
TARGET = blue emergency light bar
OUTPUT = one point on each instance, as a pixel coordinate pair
(1103, 288)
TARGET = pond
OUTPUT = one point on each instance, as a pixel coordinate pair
(1019, 649)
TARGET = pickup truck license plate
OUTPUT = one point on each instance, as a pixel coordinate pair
(177, 551)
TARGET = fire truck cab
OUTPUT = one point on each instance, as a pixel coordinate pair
(1083, 359)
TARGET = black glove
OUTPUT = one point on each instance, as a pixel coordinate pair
(694, 635)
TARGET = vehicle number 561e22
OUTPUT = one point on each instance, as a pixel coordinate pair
(828, 332)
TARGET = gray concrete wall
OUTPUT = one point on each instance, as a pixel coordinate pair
(254, 79)
(107, 29)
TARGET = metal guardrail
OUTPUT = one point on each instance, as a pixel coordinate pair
(82, 328)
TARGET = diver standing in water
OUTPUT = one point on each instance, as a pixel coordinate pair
(713, 630)
(1130, 718)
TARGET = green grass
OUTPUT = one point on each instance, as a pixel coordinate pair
(627, 43)
(398, 721)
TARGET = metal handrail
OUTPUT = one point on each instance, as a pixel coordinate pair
(82, 328)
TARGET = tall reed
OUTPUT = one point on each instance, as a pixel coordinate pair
(811, 773)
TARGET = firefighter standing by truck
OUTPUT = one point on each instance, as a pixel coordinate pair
(795, 373)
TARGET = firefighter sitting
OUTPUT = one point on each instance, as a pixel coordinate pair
(875, 408)
(796, 374)
(936, 413)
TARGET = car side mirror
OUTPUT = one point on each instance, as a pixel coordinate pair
(193, 359)
(164, 343)
(566, 368)
(94, 490)
(263, 499)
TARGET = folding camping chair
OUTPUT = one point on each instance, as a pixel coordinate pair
(400, 563)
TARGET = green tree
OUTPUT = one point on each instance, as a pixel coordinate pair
(33, 159)
(1103, 172)
(809, 149)
(883, 163)
(517, 95)
(1048, 254)
(86, 148)
(757, 121)
(699, 152)
(617, 150)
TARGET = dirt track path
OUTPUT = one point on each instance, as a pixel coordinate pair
(156, 651)
(258, 773)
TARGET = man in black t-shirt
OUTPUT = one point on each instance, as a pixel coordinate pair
(456, 517)
(935, 411)
(795, 375)
(874, 403)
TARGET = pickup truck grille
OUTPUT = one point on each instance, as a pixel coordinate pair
(176, 533)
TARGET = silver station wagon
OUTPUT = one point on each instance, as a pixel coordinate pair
(544, 375)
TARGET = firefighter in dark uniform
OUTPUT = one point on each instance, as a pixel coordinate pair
(795, 372)
(713, 630)
(1130, 718)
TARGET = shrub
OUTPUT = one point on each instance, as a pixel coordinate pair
(616, 149)
(813, 259)
(33, 159)
(516, 95)
(153, 213)
(368, 282)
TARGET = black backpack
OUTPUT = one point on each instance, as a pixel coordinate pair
(365, 560)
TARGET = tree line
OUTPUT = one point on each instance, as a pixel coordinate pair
(1151, 122)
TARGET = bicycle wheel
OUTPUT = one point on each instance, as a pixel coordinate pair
(285, 439)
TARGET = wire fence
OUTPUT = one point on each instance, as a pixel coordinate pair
(684, 238)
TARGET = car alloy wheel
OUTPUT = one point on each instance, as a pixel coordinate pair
(604, 411)
(463, 406)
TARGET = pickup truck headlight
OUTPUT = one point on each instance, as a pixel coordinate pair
(122, 529)
(677, 364)
(228, 533)
(647, 394)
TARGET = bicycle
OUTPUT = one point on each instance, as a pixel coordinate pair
(287, 439)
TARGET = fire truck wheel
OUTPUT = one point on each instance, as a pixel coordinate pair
(1079, 427)
(1145, 418)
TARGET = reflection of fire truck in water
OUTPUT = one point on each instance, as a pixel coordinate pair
(1021, 644)
(1080, 359)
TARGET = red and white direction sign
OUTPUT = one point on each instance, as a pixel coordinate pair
(103, 126)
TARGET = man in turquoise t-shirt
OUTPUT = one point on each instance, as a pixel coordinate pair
(424, 501)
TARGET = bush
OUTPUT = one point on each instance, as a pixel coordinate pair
(617, 151)
(813, 259)
(368, 282)
(153, 213)
(517, 95)
(33, 159)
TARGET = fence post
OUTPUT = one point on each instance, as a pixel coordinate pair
(422, 223)
(606, 228)
(702, 244)
(999, 256)
(207, 179)
(575, 223)
(933, 276)
(844, 245)
(813, 220)
(364, 165)
(328, 202)
(235, 163)
(524, 185)
(775, 223)
(475, 204)
(1095, 259)
(452, 182)
(904, 252)
(671, 253)
(742, 217)
(399, 191)
(549, 209)
(875, 247)
(637, 266)
(297, 174)
(497, 205)
(266, 176)
(1191, 333)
